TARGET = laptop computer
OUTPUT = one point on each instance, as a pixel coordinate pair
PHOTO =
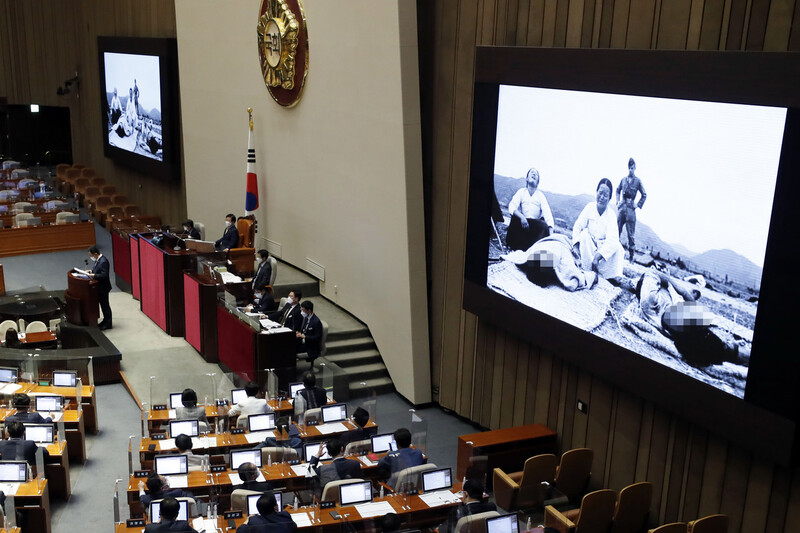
(237, 395)
(8, 374)
(175, 400)
(186, 427)
(334, 412)
(48, 403)
(245, 456)
(294, 388)
(39, 433)
(354, 493)
(65, 378)
(155, 511)
(310, 449)
(383, 443)
(13, 471)
(261, 422)
(503, 524)
(170, 465)
(252, 502)
(438, 479)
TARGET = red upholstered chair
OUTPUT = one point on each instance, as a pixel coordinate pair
(243, 256)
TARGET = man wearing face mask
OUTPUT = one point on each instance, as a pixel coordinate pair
(190, 231)
(230, 238)
(263, 302)
(100, 273)
(264, 270)
(289, 316)
(309, 337)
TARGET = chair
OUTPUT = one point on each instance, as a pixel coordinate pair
(91, 193)
(409, 477)
(132, 210)
(192, 506)
(239, 499)
(108, 190)
(79, 166)
(32, 221)
(37, 326)
(54, 323)
(633, 508)
(675, 527)
(114, 211)
(101, 205)
(99, 181)
(61, 170)
(594, 516)
(331, 490)
(715, 523)
(313, 415)
(6, 325)
(63, 217)
(475, 523)
(19, 207)
(87, 172)
(279, 454)
(273, 264)
(19, 217)
(202, 229)
(524, 490)
(573, 472)
(81, 184)
(242, 255)
(358, 447)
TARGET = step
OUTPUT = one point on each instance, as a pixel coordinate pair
(351, 359)
(309, 289)
(378, 385)
(366, 372)
(347, 333)
(354, 344)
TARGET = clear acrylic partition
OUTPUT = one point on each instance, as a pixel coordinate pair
(60, 431)
(204, 385)
(35, 368)
(79, 395)
(419, 431)
(10, 512)
(364, 396)
(224, 383)
(39, 456)
(324, 378)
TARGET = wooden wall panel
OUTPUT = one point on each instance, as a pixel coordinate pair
(45, 43)
(505, 381)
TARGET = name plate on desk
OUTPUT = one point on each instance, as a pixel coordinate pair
(237, 431)
(158, 436)
(159, 407)
(222, 403)
(327, 504)
(141, 473)
(228, 515)
(219, 468)
(135, 522)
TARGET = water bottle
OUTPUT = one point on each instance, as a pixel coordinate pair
(528, 525)
(296, 503)
(269, 460)
(381, 492)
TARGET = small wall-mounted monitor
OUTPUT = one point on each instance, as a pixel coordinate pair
(65, 378)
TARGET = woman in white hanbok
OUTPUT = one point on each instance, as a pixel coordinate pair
(595, 237)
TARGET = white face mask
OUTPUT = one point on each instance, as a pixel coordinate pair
(227, 223)
(258, 260)
(305, 315)
(93, 258)
(185, 229)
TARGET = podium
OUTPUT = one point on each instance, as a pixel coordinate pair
(81, 298)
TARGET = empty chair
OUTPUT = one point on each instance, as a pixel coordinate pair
(715, 523)
(87, 172)
(331, 490)
(313, 415)
(573, 472)
(273, 263)
(99, 181)
(19, 207)
(37, 326)
(115, 212)
(633, 508)
(19, 217)
(358, 447)
(66, 217)
(202, 229)
(81, 183)
(20, 173)
(278, 454)
(132, 210)
(101, 205)
(409, 478)
(239, 499)
(475, 523)
(10, 165)
(120, 200)
(593, 516)
(242, 255)
(675, 527)
(91, 193)
(61, 170)
(524, 490)
(108, 190)
(5, 325)
(79, 166)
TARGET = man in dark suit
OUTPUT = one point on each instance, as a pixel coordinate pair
(473, 503)
(230, 237)
(309, 335)
(169, 519)
(263, 302)
(100, 273)
(190, 231)
(264, 270)
(340, 468)
(248, 473)
(22, 402)
(269, 518)
(159, 489)
(18, 449)
(289, 316)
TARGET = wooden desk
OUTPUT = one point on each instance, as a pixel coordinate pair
(40, 239)
(74, 432)
(413, 511)
(39, 338)
(88, 401)
(505, 448)
(33, 500)
(57, 473)
(156, 419)
(48, 217)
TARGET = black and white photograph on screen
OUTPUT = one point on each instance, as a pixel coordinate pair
(133, 93)
(641, 220)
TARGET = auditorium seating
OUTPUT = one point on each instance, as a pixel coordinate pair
(474, 523)
(594, 515)
(633, 508)
(573, 472)
(675, 527)
(524, 490)
(715, 523)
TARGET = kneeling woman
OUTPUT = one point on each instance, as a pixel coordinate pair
(595, 237)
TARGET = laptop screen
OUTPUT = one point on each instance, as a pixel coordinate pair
(502, 524)
(49, 403)
(313, 448)
(41, 433)
(175, 400)
(187, 427)
(334, 413)
(252, 502)
(436, 479)
(13, 471)
(294, 388)
(155, 511)
(245, 456)
(353, 493)
(237, 395)
(383, 443)
(8, 374)
(167, 465)
(64, 378)
(261, 422)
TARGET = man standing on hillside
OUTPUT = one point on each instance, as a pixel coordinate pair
(626, 207)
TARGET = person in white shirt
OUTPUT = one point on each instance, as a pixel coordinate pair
(595, 238)
(252, 405)
(531, 218)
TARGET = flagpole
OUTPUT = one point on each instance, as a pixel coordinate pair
(251, 191)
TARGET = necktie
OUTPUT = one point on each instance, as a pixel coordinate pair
(286, 315)
(305, 324)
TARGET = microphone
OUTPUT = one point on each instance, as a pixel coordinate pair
(86, 262)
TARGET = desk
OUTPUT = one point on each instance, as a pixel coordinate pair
(505, 448)
(74, 432)
(88, 401)
(48, 217)
(40, 338)
(57, 473)
(413, 511)
(40, 239)
(33, 500)
(156, 419)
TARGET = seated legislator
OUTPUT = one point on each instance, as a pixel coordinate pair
(309, 336)
(248, 473)
(360, 419)
(170, 507)
(404, 457)
(264, 270)
(22, 402)
(190, 231)
(159, 489)
(473, 504)
(190, 409)
(15, 448)
(263, 302)
(230, 237)
(289, 316)
(184, 445)
(311, 396)
(269, 518)
(340, 468)
(284, 428)
(252, 405)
